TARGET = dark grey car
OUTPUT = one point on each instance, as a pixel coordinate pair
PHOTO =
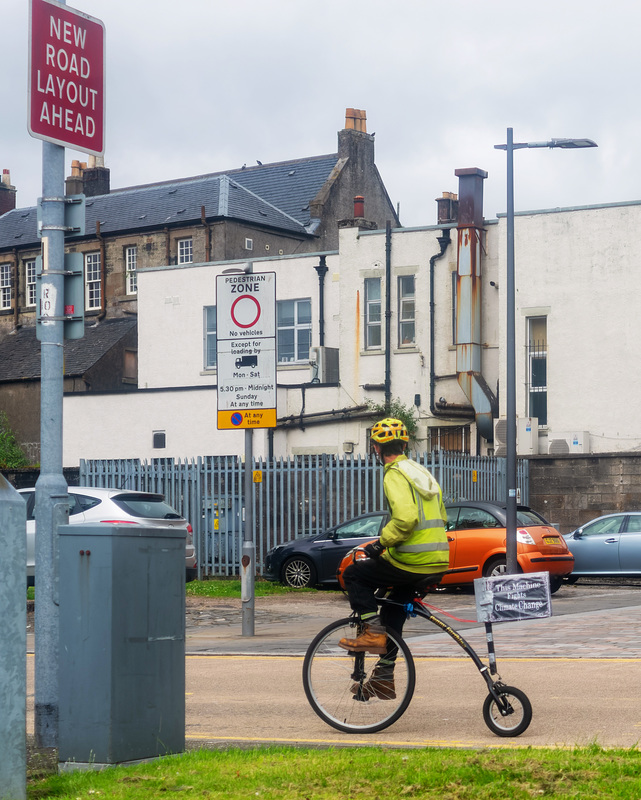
(313, 560)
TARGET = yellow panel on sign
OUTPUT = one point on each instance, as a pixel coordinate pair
(247, 418)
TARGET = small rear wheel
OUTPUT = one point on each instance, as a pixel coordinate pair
(556, 582)
(509, 717)
(341, 685)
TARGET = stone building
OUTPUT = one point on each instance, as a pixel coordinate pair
(262, 210)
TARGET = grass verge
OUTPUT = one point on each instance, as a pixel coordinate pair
(230, 587)
(300, 774)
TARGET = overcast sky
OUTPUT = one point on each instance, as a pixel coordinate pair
(201, 86)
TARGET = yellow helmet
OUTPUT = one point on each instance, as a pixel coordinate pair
(389, 429)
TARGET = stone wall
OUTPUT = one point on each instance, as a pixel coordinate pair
(571, 490)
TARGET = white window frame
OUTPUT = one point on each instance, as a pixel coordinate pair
(373, 318)
(131, 263)
(93, 287)
(30, 283)
(249, 244)
(185, 249)
(537, 351)
(406, 310)
(302, 330)
(6, 294)
(209, 336)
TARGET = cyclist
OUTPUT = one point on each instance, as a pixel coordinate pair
(411, 553)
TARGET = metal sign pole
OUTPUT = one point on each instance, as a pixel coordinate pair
(52, 502)
(248, 560)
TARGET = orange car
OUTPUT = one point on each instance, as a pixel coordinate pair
(476, 533)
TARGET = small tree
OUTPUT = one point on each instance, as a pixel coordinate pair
(11, 455)
(398, 410)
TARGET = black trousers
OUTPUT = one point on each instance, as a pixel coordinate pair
(363, 578)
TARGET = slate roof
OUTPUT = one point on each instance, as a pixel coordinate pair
(272, 195)
(20, 352)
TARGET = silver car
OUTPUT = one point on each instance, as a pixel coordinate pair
(113, 506)
(607, 546)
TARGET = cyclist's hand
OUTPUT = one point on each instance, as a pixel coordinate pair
(373, 549)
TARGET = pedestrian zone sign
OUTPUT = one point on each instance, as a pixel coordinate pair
(246, 350)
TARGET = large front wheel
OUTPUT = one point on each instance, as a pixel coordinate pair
(511, 715)
(357, 692)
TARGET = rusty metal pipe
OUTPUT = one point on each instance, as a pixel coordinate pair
(443, 241)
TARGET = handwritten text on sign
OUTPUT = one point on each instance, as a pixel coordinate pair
(509, 598)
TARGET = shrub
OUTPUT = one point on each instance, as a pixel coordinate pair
(11, 456)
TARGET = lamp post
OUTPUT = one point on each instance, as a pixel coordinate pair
(510, 349)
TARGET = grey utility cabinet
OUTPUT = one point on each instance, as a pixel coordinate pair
(122, 643)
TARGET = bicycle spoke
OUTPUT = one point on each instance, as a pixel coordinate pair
(353, 692)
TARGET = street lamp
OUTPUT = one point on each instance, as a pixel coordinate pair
(511, 474)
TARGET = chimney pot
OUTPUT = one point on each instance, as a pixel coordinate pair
(349, 118)
(359, 207)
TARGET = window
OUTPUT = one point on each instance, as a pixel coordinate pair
(249, 244)
(634, 524)
(131, 260)
(474, 518)
(210, 337)
(367, 528)
(606, 526)
(372, 313)
(159, 439)
(30, 282)
(453, 440)
(294, 323)
(406, 311)
(537, 368)
(92, 280)
(130, 366)
(185, 251)
(5, 286)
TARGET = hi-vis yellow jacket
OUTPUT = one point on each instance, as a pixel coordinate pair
(415, 536)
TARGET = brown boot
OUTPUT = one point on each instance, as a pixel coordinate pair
(369, 641)
(381, 687)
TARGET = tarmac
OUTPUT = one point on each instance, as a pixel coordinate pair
(580, 669)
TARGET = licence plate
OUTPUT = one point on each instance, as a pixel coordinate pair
(551, 539)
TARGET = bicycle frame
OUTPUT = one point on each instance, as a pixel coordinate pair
(418, 609)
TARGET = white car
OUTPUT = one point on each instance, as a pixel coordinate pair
(113, 506)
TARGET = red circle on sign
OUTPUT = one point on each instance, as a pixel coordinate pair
(233, 315)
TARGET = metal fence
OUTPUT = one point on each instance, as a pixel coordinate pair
(293, 497)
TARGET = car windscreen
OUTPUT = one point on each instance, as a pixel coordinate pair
(529, 517)
(148, 506)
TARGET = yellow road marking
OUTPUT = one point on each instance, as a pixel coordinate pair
(510, 659)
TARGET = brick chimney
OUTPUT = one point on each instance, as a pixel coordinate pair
(354, 141)
(447, 208)
(96, 177)
(7, 193)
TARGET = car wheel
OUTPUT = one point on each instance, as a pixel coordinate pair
(299, 573)
(496, 567)
(570, 579)
(556, 582)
